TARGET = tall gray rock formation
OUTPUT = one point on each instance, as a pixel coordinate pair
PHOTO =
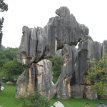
(60, 36)
(67, 74)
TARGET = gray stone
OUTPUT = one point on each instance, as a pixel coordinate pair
(58, 52)
(9, 82)
(44, 82)
(64, 81)
(85, 52)
(66, 29)
(104, 47)
(21, 85)
(100, 105)
(26, 83)
(97, 48)
(59, 37)
(24, 48)
(77, 91)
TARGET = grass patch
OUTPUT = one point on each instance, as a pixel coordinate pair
(7, 99)
(78, 102)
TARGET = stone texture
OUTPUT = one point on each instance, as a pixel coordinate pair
(38, 43)
(97, 48)
(85, 52)
(64, 80)
(59, 37)
(36, 78)
(44, 78)
(89, 93)
(77, 91)
(25, 84)
(66, 29)
(104, 47)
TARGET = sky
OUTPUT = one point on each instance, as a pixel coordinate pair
(33, 13)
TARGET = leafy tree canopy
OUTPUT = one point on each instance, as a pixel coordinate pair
(9, 67)
(56, 67)
(97, 74)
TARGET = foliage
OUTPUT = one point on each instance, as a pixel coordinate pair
(35, 100)
(97, 74)
(56, 67)
(9, 67)
(7, 97)
(11, 70)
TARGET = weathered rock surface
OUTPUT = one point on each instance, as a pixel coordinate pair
(38, 43)
(59, 37)
(66, 29)
(104, 47)
(67, 73)
(26, 83)
(44, 82)
(85, 52)
(77, 91)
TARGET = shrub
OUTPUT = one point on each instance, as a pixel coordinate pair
(56, 67)
(35, 100)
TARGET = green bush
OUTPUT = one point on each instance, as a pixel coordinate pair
(56, 67)
(9, 67)
(97, 74)
(35, 100)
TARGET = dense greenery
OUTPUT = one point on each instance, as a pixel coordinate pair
(56, 67)
(97, 74)
(9, 67)
(35, 100)
(7, 99)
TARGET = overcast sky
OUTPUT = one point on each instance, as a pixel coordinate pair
(33, 13)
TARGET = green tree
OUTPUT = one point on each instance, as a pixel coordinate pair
(11, 70)
(9, 67)
(97, 75)
(56, 67)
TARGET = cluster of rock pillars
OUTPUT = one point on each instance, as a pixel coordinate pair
(60, 36)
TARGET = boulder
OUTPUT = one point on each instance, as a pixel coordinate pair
(58, 104)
